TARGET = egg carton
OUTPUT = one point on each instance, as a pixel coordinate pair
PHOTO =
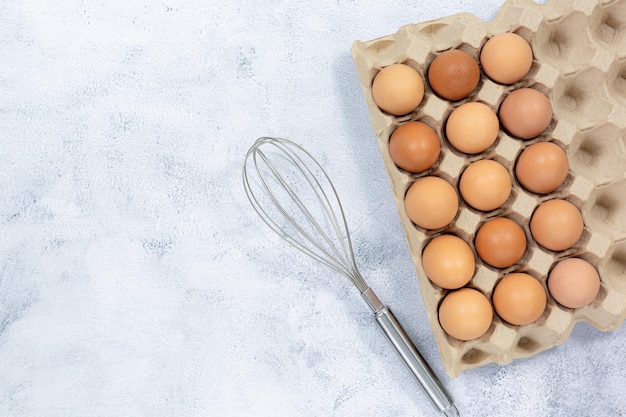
(579, 62)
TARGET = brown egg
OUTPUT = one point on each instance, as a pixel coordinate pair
(526, 113)
(414, 146)
(557, 224)
(519, 299)
(431, 202)
(472, 127)
(453, 74)
(500, 242)
(574, 283)
(465, 314)
(542, 167)
(485, 185)
(506, 58)
(398, 89)
(448, 261)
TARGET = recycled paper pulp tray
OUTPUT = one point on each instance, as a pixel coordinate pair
(579, 62)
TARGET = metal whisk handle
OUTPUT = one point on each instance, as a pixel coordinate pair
(409, 353)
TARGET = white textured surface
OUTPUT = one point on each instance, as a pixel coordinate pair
(136, 280)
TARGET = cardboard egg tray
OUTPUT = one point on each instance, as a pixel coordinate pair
(579, 49)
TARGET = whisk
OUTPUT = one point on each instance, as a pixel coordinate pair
(294, 196)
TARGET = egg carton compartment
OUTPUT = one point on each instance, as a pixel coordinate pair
(579, 63)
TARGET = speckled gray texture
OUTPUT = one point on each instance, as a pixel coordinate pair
(135, 279)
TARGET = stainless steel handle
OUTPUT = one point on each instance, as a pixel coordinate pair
(409, 353)
(416, 363)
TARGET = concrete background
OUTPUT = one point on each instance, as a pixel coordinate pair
(135, 279)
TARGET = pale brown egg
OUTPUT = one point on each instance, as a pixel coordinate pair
(414, 146)
(542, 167)
(556, 224)
(500, 242)
(525, 113)
(398, 89)
(431, 202)
(465, 314)
(448, 261)
(506, 58)
(574, 283)
(519, 299)
(485, 185)
(472, 127)
(453, 74)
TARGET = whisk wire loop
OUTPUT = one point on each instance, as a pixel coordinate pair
(335, 252)
(320, 194)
